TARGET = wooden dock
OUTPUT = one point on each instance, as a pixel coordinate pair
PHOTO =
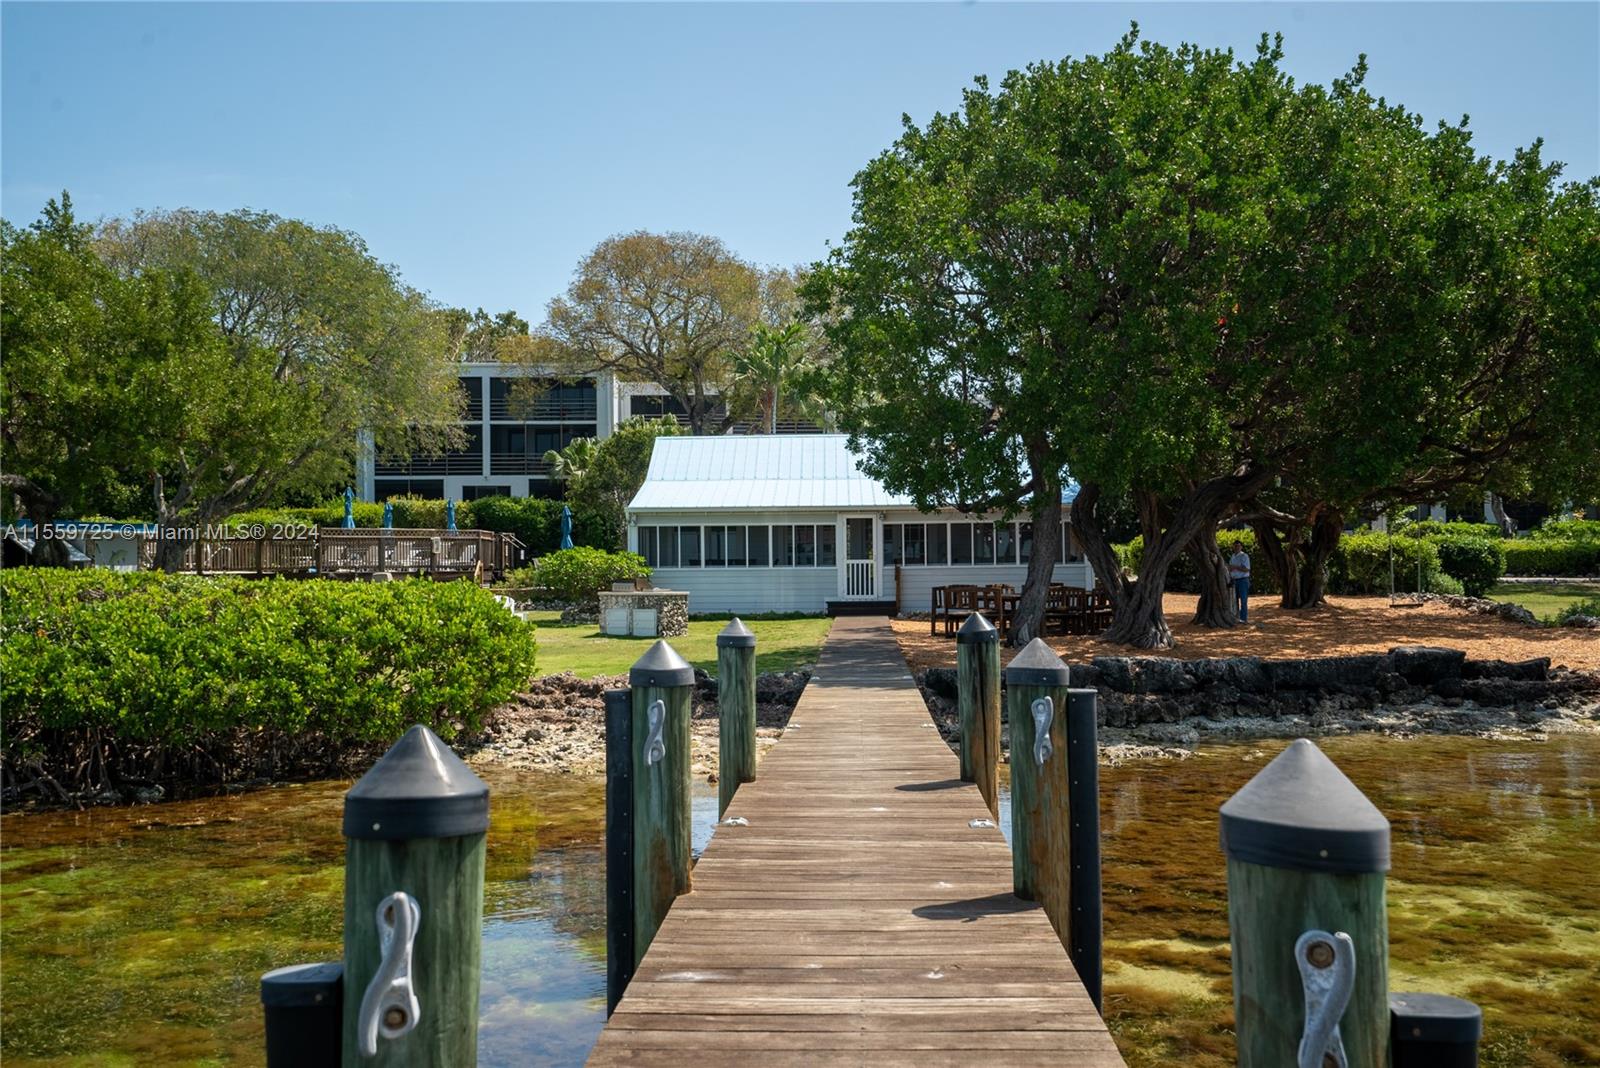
(860, 918)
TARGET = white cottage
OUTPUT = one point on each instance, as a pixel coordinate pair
(790, 524)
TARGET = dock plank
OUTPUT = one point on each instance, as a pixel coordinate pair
(861, 917)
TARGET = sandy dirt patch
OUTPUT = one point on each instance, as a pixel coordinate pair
(1345, 625)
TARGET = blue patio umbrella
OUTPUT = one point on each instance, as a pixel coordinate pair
(349, 508)
(566, 527)
(450, 514)
(388, 515)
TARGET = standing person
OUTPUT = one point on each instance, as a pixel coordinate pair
(1239, 576)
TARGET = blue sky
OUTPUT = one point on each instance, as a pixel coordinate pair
(484, 148)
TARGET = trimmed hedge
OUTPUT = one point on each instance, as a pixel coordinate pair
(537, 522)
(1432, 528)
(175, 659)
(1361, 564)
(577, 575)
(1587, 530)
(1475, 562)
(1551, 556)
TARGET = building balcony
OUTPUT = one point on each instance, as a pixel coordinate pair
(516, 463)
(545, 409)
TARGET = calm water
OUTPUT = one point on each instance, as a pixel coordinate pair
(136, 936)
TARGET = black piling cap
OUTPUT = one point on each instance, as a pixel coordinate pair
(976, 631)
(1037, 665)
(1301, 813)
(661, 666)
(419, 789)
(736, 636)
(1434, 1018)
(302, 986)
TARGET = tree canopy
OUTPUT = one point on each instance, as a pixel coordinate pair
(668, 308)
(1184, 279)
(222, 360)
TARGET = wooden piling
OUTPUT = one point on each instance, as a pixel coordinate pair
(1041, 824)
(663, 685)
(1306, 852)
(736, 710)
(415, 825)
(619, 845)
(1085, 928)
(978, 703)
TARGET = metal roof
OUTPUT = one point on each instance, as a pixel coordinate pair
(758, 471)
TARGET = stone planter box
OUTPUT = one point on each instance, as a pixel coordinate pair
(644, 613)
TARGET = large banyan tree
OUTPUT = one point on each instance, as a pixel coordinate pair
(1186, 281)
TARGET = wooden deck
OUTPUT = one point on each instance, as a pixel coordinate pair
(859, 918)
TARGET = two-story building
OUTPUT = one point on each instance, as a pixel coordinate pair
(507, 435)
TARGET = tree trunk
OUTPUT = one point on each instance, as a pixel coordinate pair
(41, 508)
(1215, 607)
(1300, 563)
(1137, 618)
(1326, 530)
(1029, 621)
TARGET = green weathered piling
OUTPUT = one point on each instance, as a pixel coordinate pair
(1306, 852)
(978, 701)
(736, 710)
(415, 825)
(1041, 817)
(662, 684)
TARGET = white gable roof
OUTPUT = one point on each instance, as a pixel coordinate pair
(758, 471)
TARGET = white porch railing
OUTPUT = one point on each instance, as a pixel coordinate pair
(859, 576)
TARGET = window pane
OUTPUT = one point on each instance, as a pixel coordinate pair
(688, 546)
(783, 546)
(669, 546)
(1005, 542)
(805, 546)
(983, 543)
(961, 543)
(938, 536)
(647, 545)
(736, 546)
(914, 543)
(758, 546)
(825, 557)
(716, 546)
(1024, 542)
(891, 544)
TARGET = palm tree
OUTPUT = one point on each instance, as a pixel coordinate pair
(571, 462)
(770, 365)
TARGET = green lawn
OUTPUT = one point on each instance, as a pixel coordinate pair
(781, 645)
(1544, 600)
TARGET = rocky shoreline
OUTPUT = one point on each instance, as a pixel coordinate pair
(1158, 706)
(557, 724)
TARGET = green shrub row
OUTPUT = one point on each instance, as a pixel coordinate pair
(1475, 562)
(1359, 565)
(576, 575)
(173, 659)
(1550, 556)
(534, 520)
(1433, 528)
(1586, 530)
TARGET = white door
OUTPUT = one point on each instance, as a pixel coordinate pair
(858, 577)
